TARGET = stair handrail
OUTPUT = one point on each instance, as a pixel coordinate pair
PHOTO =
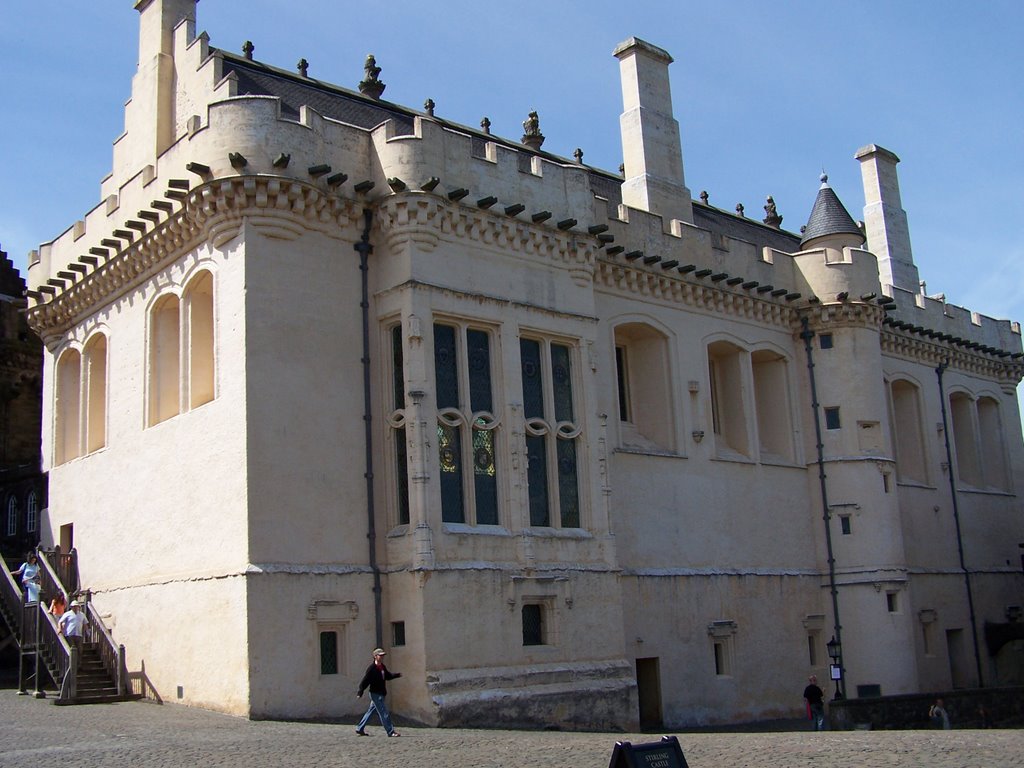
(56, 651)
(13, 599)
(111, 654)
(50, 583)
(64, 566)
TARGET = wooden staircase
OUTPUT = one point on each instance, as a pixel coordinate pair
(95, 675)
(94, 684)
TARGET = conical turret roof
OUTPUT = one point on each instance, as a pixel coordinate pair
(829, 216)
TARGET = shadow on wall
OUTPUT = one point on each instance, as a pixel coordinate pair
(141, 685)
(968, 708)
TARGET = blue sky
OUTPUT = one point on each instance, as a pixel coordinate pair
(767, 94)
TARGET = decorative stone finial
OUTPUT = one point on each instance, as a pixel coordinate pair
(823, 179)
(485, 125)
(532, 137)
(578, 154)
(704, 196)
(771, 215)
(739, 208)
(622, 170)
(371, 84)
(303, 66)
(248, 48)
(428, 107)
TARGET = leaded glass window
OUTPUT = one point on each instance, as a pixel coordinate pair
(398, 425)
(12, 516)
(446, 367)
(551, 445)
(533, 624)
(32, 513)
(537, 478)
(467, 432)
(449, 441)
(328, 653)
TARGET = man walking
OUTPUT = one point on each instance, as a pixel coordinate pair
(72, 626)
(375, 679)
(815, 703)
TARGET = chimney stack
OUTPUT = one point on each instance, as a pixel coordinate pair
(885, 221)
(651, 150)
(152, 108)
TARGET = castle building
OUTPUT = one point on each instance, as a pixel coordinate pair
(323, 372)
(22, 482)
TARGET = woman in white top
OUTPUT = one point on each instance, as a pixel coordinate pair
(29, 575)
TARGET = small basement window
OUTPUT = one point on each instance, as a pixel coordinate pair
(533, 624)
(832, 417)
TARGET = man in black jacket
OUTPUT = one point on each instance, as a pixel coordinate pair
(375, 679)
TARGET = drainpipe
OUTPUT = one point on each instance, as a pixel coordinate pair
(941, 369)
(807, 334)
(365, 249)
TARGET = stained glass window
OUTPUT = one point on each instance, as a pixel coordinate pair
(397, 367)
(449, 441)
(537, 478)
(446, 367)
(485, 477)
(399, 432)
(561, 379)
(533, 387)
(462, 362)
(479, 360)
(568, 486)
(547, 391)
(402, 473)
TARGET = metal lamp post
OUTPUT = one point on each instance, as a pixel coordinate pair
(835, 652)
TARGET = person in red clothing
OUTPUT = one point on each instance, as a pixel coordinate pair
(815, 703)
(375, 679)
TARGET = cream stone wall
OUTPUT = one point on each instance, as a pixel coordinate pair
(246, 519)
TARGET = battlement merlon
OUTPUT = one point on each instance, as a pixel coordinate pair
(170, 85)
(934, 313)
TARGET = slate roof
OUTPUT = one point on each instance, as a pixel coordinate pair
(352, 107)
(255, 79)
(829, 216)
(740, 228)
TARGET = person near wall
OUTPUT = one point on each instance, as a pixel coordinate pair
(58, 606)
(938, 715)
(815, 699)
(29, 575)
(375, 679)
(72, 626)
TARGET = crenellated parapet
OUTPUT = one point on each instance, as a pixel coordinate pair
(933, 314)
(424, 219)
(214, 212)
(712, 296)
(918, 347)
(845, 314)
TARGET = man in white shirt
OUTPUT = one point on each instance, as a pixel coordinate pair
(72, 625)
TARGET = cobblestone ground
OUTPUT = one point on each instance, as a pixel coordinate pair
(34, 733)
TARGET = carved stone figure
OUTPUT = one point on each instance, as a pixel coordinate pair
(771, 215)
(371, 84)
(532, 137)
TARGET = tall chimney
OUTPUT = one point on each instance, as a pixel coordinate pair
(885, 220)
(153, 97)
(651, 150)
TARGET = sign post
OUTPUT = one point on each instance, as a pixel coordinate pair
(656, 754)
